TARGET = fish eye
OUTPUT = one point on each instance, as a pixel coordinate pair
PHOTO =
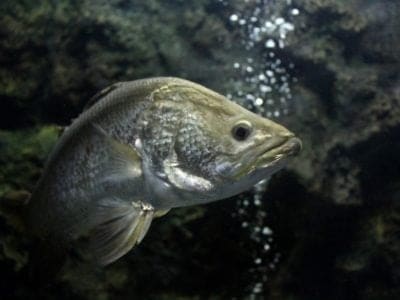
(241, 131)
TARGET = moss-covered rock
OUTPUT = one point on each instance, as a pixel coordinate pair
(57, 54)
(22, 154)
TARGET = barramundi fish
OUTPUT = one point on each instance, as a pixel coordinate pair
(142, 148)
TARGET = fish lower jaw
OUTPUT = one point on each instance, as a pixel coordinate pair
(290, 147)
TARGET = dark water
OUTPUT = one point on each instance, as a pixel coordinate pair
(327, 227)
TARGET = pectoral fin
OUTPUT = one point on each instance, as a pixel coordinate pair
(118, 226)
(120, 162)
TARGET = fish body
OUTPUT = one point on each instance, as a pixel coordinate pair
(142, 148)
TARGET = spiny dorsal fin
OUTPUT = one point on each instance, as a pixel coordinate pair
(102, 94)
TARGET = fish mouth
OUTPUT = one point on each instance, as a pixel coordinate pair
(269, 156)
(292, 146)
(279, 148)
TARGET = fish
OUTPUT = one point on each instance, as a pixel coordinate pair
(141, 148)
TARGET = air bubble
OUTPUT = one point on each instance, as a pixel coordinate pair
(266, 231)
(288, 26)
(265, 88)
(270, 102)
(258, 288)
(295, 12)
(259, 101)
(250, 97)
(270, 43)
(262, 84)
(279, 21)
(261, 77)
(234, 18)
(249, 69)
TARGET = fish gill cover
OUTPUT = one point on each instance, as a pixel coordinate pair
(332, 77)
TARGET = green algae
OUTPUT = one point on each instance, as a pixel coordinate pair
(22, 155)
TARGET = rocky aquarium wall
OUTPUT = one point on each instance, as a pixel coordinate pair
(326, 227)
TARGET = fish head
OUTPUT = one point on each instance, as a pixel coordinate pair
(216, 148)
(246, 148)
(250, 149)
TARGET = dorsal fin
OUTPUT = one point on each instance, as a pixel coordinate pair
(102, 94)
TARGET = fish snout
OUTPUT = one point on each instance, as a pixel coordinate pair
(293, 146)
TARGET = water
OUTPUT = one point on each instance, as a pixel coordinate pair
(263, 85)
(326, 227)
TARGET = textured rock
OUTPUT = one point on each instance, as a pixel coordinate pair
(61, 53)
(342, 237)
